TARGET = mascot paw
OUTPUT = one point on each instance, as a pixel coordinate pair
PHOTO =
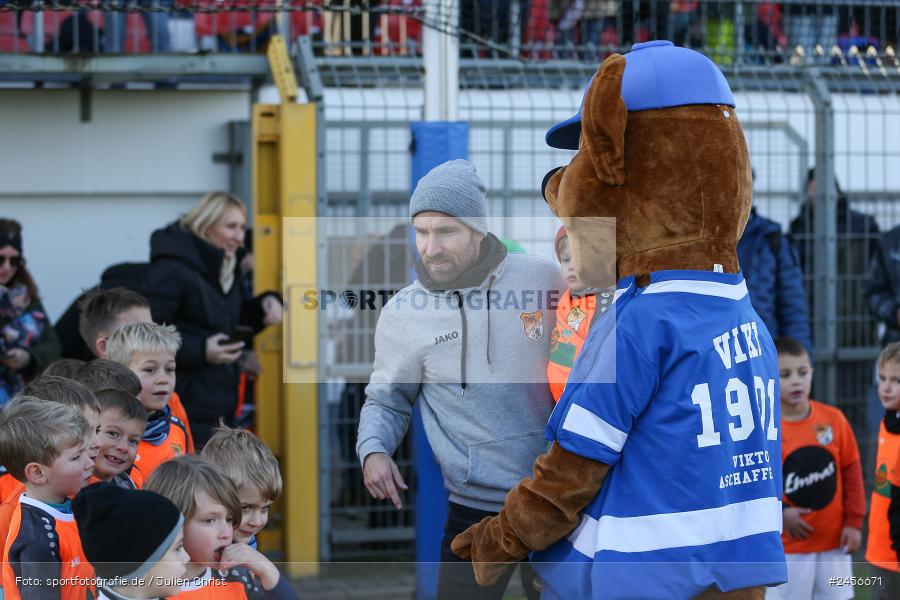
(478, 545)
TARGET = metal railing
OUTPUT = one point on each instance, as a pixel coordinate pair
(729, 31)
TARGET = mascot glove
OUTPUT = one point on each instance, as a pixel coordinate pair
(538, 512)
(491, 547)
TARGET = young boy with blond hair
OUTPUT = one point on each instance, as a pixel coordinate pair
(883, 547)
(102, 312)
(249, 463)
(62, 391)
(44, 445)
(148, 350)
(122, 424)
(219, 567)
(824, 502)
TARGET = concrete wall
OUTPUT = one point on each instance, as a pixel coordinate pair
(89, 194)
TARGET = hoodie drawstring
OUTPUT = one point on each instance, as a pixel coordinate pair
(490, 283)
(462, 360)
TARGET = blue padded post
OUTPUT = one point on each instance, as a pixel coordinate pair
(433, 143)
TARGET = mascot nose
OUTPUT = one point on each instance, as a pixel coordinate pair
(546, 180)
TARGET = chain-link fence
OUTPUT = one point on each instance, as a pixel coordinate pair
(729, 31)
(841, 121)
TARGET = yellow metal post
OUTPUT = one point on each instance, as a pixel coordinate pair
(282, 70)
(285, 191)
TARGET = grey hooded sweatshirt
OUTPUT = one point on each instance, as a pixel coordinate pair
(476, 359)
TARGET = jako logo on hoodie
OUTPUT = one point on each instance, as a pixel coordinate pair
(446, 338)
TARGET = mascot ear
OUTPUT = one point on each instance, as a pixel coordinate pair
(603, 122)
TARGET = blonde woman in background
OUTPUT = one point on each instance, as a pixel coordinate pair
(193, 284)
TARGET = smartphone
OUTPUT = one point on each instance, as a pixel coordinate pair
(241, 333)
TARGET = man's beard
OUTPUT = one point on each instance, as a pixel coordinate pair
(454, 268)
(444, 275)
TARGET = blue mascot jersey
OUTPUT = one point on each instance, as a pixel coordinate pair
(679, 394)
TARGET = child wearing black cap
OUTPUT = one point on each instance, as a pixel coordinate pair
(134, 540)
(220, 568)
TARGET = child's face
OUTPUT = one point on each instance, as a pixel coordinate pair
(119, 439)
(568, 266)
(254, 512)
(208, 531)
(93, 419)
(156, 370)
(889, 385)
(795, 376)
(70, 472)
(169, 569)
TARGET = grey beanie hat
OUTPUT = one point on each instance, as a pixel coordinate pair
(455, 189)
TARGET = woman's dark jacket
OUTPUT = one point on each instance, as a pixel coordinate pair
(183, 290)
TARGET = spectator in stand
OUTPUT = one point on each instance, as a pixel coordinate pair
(567, 16)
(857, 240)
(599, 28)
(156, 20)
(765, 33)
(883, 294)
(486, 19)
(683, 22)
(809, 25)
(28, 338)
(193, 284)
(857, 243)
(586, 23)
(883, 290)
(771, 269)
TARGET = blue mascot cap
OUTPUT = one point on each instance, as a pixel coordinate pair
(658, 74)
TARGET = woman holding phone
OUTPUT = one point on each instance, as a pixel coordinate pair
(193, 284)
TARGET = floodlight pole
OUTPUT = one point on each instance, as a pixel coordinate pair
(440, 56)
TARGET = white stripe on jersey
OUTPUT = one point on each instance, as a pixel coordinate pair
(706, 288)
(585, 423)
(676, 530)
(56, 514)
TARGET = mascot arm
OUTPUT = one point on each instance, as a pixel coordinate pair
(537, 513)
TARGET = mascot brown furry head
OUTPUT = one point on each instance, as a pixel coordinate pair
(662, 183)
(676, 179)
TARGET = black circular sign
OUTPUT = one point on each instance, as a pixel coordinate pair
(810, 477)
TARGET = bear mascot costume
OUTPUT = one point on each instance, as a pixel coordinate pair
(663, 479)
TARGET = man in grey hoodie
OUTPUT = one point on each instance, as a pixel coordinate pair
(469, 340)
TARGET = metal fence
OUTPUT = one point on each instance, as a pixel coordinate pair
(729, 31)
(842, 121)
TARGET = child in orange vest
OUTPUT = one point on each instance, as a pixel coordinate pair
(574, 313)
(45, 446)
(824, 502)
(148, 350)
(104, 311)
(883, 549)
(123, 420)
(61, 391)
